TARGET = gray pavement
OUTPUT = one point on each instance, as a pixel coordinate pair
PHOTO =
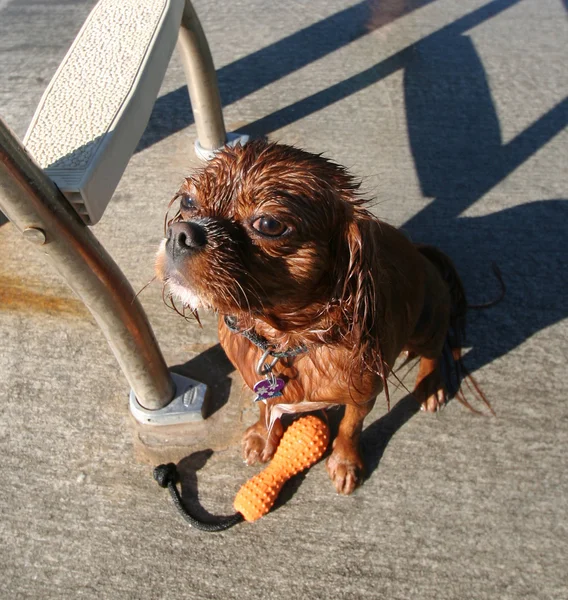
(454, 114)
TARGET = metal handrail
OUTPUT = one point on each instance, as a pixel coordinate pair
(42, 214)
(39, 210)
(201, 81)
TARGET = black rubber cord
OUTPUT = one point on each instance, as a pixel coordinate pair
(166, 476)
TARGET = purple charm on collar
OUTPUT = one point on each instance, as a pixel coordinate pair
(268, 388)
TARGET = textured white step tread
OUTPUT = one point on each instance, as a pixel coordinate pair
(98, 103)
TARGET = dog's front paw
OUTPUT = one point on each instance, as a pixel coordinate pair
(345, 467)
(258, 446)
(253, 446)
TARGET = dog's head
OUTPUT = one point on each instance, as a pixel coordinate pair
(265, 230)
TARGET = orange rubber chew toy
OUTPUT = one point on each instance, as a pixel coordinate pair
(301, 446)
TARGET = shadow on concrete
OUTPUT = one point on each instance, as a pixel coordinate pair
(459, 155)
(3, 219)
(456, 143)
(378, 434)
(320, 100)
(172, 111)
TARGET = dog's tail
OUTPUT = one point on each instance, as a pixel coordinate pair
(454, 372)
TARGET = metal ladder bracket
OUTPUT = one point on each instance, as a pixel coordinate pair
(233, 139)
(186, 406)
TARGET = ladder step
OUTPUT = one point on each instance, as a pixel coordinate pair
(97, 105)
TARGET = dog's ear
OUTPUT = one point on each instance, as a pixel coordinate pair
(360, 300)
(357, 284)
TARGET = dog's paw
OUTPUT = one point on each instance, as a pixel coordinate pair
(344, 467)
(430, 391)
(435, 401)
(258, 446)
(253, 447)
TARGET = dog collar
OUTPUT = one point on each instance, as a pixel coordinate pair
(261, 342)
(270, 386)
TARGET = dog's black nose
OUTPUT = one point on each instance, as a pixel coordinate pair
(186, 236)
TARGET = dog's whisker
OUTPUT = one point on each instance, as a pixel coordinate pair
(244, 295)
(143, 288)
(228, 294)
(256, 281)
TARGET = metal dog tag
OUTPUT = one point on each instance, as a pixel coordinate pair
(268, 388)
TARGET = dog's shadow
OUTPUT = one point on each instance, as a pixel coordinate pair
(376, 437)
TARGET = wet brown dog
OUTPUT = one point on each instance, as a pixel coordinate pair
(278, 240)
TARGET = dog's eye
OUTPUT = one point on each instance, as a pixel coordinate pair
(269, 226)
(187, 203)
